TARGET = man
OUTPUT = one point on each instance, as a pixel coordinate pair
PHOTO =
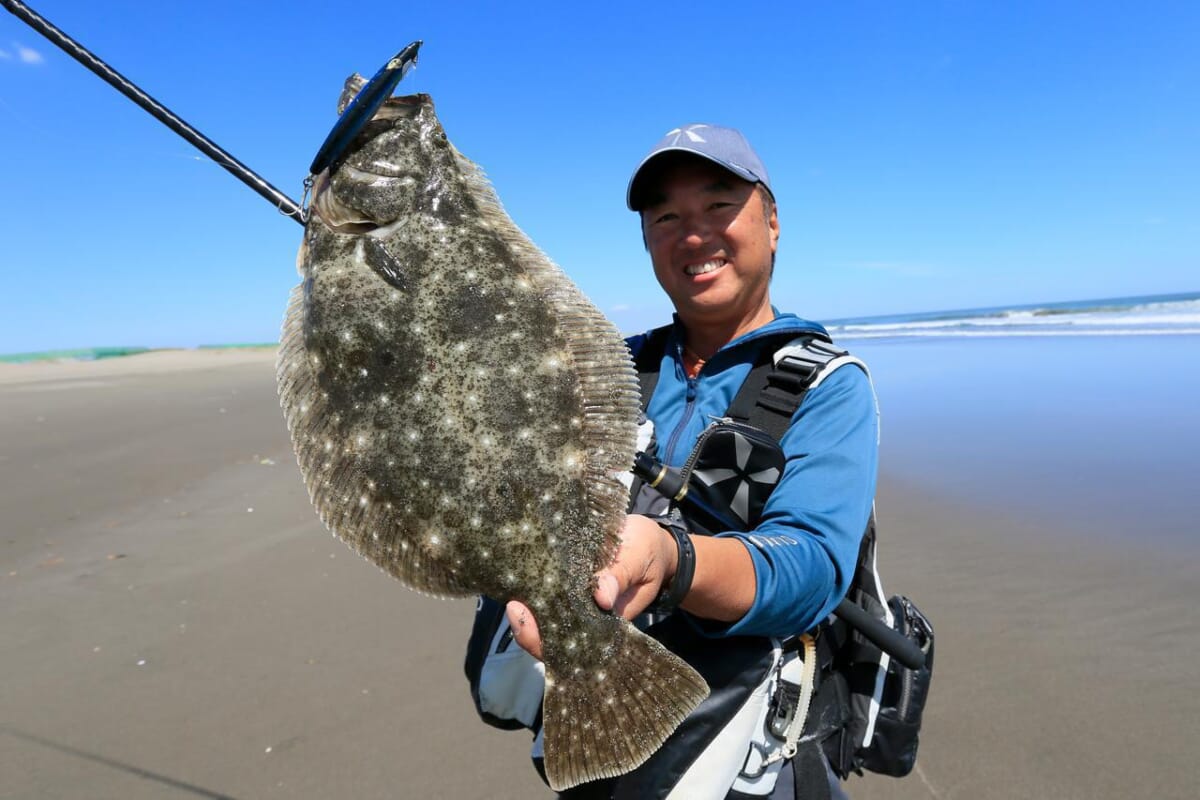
(710, 225)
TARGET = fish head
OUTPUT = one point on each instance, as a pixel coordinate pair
(400, 166)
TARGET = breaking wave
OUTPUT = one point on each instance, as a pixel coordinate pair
(1177, 314)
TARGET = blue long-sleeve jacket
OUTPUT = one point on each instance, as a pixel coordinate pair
(805, 547)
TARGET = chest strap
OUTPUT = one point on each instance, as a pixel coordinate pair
(779, 380)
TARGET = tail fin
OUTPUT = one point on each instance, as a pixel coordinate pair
(607, 723)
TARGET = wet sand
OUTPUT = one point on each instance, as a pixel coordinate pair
(175, 622)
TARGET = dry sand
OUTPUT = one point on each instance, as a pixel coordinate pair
(177, 623)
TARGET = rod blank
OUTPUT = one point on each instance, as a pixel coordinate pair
(281, 201)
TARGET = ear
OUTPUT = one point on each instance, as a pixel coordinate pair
(773, 227)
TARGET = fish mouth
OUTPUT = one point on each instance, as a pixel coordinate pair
(374, 185)
(343, 217)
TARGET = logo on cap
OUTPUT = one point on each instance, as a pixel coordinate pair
(689, 132)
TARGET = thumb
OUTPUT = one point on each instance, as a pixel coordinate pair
(608, 588)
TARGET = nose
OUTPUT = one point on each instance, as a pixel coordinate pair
(696, 231)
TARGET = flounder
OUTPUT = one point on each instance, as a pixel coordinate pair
(460, 412)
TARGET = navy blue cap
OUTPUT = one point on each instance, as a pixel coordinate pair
(725, 147)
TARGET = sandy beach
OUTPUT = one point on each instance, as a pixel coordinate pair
(175, 621)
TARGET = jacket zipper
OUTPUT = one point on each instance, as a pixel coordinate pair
(683, 421)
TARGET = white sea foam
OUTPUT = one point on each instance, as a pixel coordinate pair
(1171, 315)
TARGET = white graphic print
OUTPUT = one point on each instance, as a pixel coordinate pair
(689, 132)
(741, 495)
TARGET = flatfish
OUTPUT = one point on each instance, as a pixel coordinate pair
(460, 413)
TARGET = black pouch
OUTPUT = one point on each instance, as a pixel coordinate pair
(730, 473)
(893, 747)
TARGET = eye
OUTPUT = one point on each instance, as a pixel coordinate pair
(668, 216)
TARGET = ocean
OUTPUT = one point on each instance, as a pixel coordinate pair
(1174, 314)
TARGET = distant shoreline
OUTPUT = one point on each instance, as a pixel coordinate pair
(102, 353)
(1171, 314)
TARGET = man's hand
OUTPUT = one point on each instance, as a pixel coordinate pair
(723, 586)
(645, 561)
(524, 628)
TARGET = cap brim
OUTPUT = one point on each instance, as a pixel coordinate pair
(633, 190)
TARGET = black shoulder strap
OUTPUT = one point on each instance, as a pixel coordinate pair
(773, 391)
(648, 361)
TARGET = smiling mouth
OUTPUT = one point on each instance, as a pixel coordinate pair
(712, 265)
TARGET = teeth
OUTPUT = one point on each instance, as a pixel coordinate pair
(707, 266)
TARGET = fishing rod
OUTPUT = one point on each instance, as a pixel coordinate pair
(671, 483)
(352, 120)
(356, 115)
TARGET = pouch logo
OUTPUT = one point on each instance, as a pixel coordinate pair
(734, 486)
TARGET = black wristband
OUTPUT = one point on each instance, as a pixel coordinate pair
(671, 596)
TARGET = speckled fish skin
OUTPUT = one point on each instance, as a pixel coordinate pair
(460, 412)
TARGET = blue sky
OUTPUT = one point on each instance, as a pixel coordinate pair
(925, 155)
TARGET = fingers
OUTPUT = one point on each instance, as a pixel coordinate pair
(641, 567)
(524, 628)
(608, 588)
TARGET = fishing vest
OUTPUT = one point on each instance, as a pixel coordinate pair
(865, 711)
(862, 712)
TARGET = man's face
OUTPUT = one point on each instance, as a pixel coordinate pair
(711, 245)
